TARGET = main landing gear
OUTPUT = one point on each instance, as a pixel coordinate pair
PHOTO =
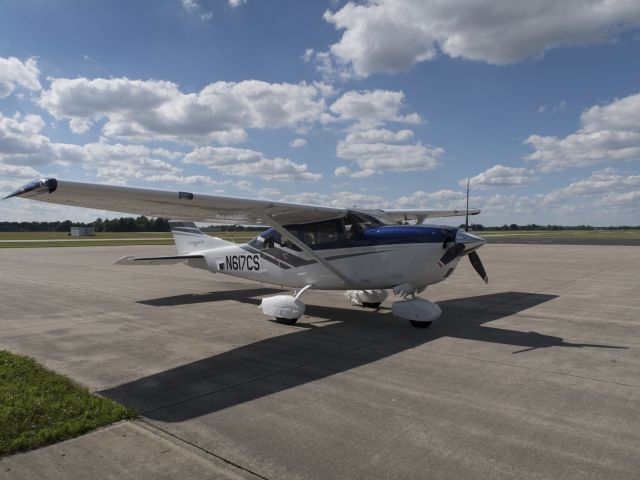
(287, 309)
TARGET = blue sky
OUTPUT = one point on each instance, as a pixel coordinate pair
(375, 103)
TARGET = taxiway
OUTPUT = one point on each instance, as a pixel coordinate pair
(536, 375)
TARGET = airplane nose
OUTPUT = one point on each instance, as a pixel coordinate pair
(470, 241)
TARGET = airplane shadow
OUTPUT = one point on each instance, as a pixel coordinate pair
(242, 295)
(347, 339)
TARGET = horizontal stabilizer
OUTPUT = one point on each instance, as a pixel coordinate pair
(171, 260)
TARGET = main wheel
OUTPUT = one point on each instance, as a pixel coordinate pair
(286, 321)
(419, 324)
(371, 305)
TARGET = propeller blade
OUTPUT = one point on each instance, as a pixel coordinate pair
(451, 254)
(477, 265)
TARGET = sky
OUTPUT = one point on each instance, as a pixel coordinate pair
(374, 104)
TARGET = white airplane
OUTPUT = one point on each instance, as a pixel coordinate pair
(364, 252)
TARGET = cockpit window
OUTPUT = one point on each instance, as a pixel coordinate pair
(355, 223)
(319, 235)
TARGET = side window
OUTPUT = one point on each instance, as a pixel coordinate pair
(320, 235)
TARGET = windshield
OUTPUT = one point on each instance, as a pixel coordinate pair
(356, 223)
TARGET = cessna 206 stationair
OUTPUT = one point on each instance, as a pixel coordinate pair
(364, 252)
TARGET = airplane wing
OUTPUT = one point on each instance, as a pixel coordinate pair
(420, 215)
(198, 207)
(188, 206)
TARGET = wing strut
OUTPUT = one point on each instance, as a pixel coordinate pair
(305, 248)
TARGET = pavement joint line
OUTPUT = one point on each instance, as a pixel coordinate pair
(267, 375)
(86, 290)
(151, 426)
(540, 370)
(616, 267)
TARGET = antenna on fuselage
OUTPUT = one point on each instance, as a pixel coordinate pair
(466, 218)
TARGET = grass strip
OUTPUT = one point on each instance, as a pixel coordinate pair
(39, 407)
(80, 243)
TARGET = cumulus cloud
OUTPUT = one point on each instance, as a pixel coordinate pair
(21, 143)
(371, 108)
(194, 8)
(298, 143)
(16, 73)
(23, 146)
(338, 199)
(367, 149)
(237, 3)
(18, 171)
(379, 135)
(372, 147)
(245, 162)
(342, 171)
(609, 133)
(331, 69)
(604, 186)
(142, 110)
(439, 199)
(374, 158)
(120, 163)
(184, 180)
(393, 35)
(501, 176)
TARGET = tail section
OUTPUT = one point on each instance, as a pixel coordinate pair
(190, 238)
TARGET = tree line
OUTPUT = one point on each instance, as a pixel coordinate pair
(146, 224)
(122, 224)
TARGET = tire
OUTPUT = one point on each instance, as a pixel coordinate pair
(371, 305)
(286, 321)
(418, 324)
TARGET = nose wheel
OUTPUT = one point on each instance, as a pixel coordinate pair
(371, 304)
(419, 324)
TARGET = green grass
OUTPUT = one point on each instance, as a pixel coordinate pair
(66, 236)
(39, 407)
(85, 243)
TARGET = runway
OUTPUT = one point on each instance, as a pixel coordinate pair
(536, 375)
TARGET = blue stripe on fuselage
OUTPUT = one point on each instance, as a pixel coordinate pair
(379, 235)
(398, 234)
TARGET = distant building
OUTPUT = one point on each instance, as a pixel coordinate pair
(82, 231)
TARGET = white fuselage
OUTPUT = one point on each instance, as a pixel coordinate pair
(367, 267)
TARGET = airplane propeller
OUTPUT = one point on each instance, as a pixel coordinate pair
(476, 263)
(459, 246)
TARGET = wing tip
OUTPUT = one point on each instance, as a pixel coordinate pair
(41, 185)
(126, 260)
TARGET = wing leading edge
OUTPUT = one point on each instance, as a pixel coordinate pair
(188, 206)
(198, 207)
(420, 215)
